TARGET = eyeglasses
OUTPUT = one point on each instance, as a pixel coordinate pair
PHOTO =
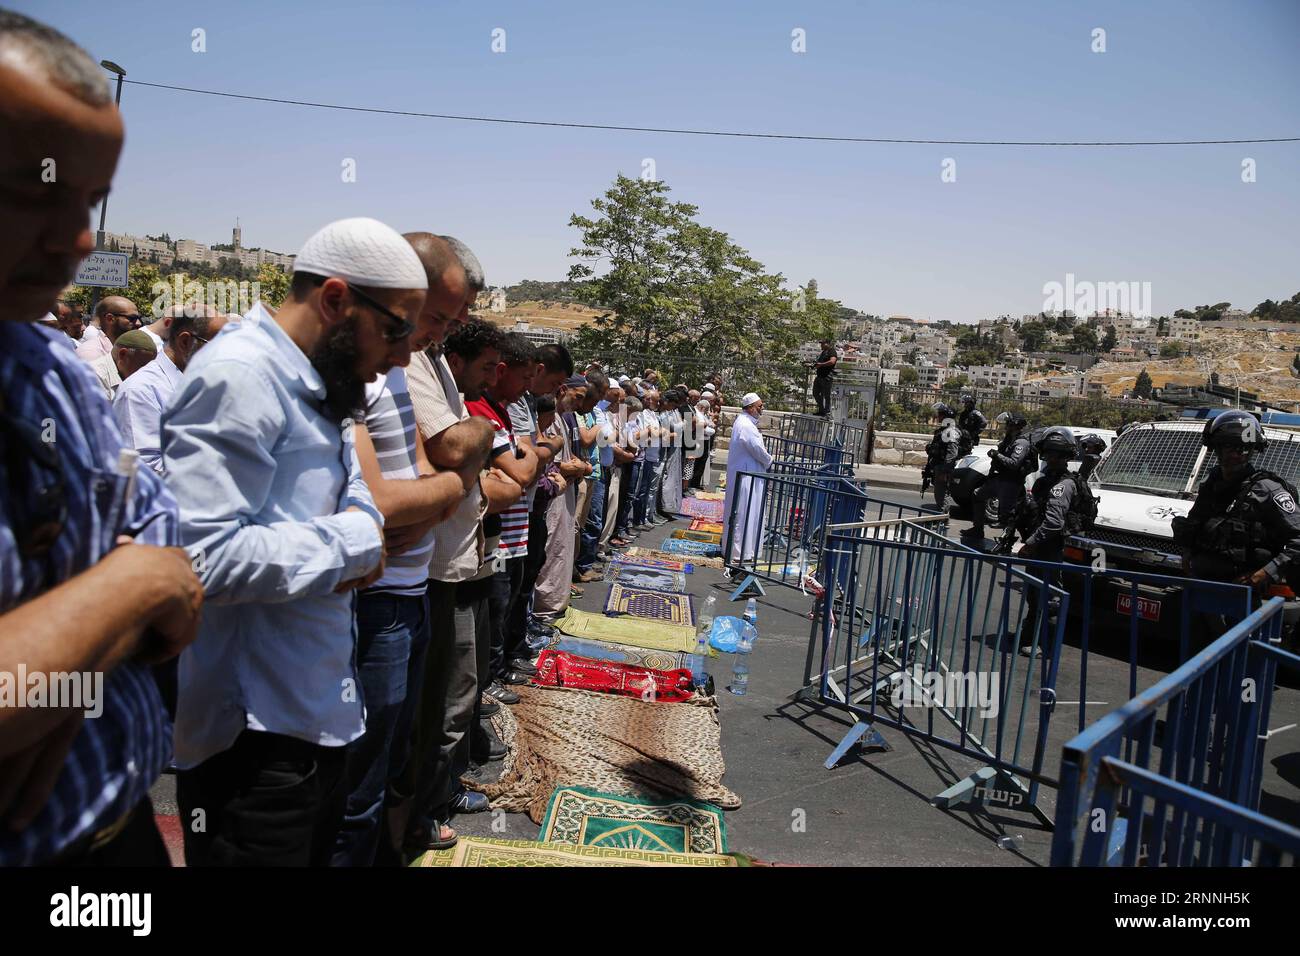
(400, 329)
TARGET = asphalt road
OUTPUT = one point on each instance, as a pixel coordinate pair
(874, 807)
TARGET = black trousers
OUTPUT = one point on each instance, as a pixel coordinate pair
(697, 472)
(270, 800)
(822, 394)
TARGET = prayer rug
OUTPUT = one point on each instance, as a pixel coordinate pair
(678, 546)
(584, 817)
(656, 579)
(706, 524)
(653, 605)
(618, 745)
(486, 851)
(708, 537)
(709, 496)
(561, 669)
(699, 561)
(710, 510)
(646, 558)
(656, 635)
(618, 653)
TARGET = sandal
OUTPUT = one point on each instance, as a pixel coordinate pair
(443, 841)
(575, 591)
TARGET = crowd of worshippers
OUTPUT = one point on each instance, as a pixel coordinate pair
(309, 550)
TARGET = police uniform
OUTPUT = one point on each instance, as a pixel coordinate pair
(1006, 480)
(943, 452)
(1054, 499)
(1237, 527)
(971, 422)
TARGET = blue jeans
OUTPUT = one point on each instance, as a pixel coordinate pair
(641, 504)
(392, 637)
(595, 521)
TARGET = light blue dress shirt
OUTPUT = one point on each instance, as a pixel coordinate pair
(138, 407)
(263, 479)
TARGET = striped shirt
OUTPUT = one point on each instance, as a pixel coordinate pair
(117, 756)
(514, 520)
(390, 419)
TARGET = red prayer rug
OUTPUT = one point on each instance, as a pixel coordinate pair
(560, 669)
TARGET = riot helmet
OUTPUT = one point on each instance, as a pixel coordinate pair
(1234, 428)
(1057, 440)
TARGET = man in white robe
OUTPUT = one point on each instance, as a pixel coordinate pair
(745, 453)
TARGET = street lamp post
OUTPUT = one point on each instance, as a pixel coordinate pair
(103, 206)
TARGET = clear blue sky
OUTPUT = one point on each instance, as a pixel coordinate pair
(873, 224)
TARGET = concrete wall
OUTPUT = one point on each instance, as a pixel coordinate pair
(904, 448)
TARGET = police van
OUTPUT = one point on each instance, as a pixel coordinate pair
(1146, 478)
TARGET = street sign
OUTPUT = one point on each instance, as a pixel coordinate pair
(108, 270)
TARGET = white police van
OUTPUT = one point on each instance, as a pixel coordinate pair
(1146, 478)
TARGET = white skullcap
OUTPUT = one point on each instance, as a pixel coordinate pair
(749, 399)
(363, 251)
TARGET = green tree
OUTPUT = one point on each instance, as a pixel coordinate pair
(907, 375)
(1110, 339)
(1170, 349)
(669, 285)
(1085, 339)
(1142, 389)
(1032, 336)
(274, 284)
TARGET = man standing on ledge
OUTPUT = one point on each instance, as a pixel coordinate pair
(825, 366)
(745, 453)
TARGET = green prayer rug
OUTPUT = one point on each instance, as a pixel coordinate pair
(485, 851)
(583, 817)
(638, 631)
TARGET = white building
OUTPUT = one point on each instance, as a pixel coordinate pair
(1183, 329)
(933, 376)
(1054, 386)
(540, 335)
(996, 376)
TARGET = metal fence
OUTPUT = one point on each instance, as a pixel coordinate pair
(824, 431)
(806, 454)
(911, 409)
(1174, 776)
(920, 622)
(776, 527)
(903, 576)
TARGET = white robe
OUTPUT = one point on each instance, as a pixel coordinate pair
(745, 452)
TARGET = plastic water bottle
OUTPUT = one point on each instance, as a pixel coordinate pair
(751, 611)
(697, 661)
(740, 674)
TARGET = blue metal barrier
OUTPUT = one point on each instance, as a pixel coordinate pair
(823, 431)
(777, 524)
(1185, 791)
(923, 621)
(809, 454)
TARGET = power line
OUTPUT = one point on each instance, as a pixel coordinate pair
(706, 132)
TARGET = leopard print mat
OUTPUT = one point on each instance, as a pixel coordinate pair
(618, 745)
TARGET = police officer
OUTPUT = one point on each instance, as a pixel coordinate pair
(1053, 505)
(1244, 526)
(943, 452)
(971, 422)
(1007, 472)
